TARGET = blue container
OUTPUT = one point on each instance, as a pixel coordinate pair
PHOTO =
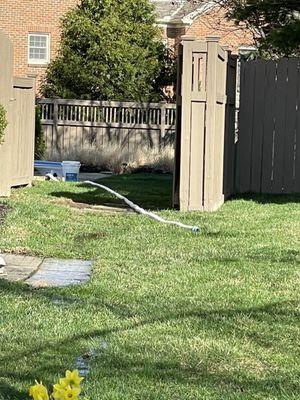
(71, 170)
(49, 167)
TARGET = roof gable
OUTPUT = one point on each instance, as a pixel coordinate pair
(180, 11)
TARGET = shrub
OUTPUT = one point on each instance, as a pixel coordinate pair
(3, 122)
(39, 143)
(118, 160)
(110, 50)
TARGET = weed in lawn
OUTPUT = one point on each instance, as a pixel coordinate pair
(3, 212)
(90, 236)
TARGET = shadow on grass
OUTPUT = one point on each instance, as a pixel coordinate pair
(269, 198)
(3, 211)
(8, 392)
(45, 358)
(151, 191)
(286, 256)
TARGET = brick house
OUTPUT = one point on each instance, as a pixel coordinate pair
(34, 28)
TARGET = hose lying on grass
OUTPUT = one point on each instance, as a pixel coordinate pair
(51, 177)
(140, 210)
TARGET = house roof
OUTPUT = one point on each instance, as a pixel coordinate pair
(180, 11)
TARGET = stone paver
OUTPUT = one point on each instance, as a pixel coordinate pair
(45, 273)
(59, 273)
(19, 267)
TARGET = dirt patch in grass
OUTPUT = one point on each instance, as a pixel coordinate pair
(105, 208)
(90, 236)
(3, 212)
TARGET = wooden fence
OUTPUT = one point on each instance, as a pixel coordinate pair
(204, 152)
(73, 125)
(268, 150)
(17, 95)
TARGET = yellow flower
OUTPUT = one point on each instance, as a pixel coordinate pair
(57, 395)
(70, 393)
(72, 378)
(60, 388)
(62, 384)
(38, 392)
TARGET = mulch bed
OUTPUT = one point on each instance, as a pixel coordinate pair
(3, 212)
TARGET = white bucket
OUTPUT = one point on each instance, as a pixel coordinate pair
(71, 170)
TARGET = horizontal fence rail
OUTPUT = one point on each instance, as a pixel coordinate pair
(71, 125)
(109, 112)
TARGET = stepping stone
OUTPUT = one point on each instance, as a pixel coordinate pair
(19, 267)
(59, 273)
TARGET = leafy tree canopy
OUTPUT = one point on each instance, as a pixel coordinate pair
(110, 50)
(276, 24)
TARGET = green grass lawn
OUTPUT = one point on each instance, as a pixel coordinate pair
(168, 314)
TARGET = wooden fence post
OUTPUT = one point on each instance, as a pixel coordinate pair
(201, 128)
(162, 123)
(56, 138)
(186, 85)
(211, 79)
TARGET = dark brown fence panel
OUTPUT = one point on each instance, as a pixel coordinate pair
(268, 129)
(268, 148)
(229, 143)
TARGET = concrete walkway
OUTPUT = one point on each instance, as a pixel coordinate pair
(47, 272)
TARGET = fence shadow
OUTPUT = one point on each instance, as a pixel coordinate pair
(268, 198)
(150, 191)
(226, 321)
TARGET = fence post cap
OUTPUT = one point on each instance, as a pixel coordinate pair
(187, 38)
(213, 38)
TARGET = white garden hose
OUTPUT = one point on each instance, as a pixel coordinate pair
(142, 211)
(51, 177)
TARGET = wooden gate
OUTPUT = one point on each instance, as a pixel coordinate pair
(204, 147)
(268, 148)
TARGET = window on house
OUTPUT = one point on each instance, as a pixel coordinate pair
(38, 48)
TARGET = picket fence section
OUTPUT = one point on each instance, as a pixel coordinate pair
(73, 125)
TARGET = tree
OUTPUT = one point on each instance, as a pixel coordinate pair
(276, 24)
(110, 50)
(39, 140)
